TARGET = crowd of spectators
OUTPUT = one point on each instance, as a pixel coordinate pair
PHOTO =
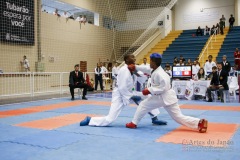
(216, 29)
(67, 15)
(216, 72)
(206, 70)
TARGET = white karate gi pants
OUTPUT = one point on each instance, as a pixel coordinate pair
(173, 110)
(117, 106)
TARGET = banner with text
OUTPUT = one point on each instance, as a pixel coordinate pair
(17, 21)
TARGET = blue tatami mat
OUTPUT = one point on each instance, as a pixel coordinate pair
(50, 139)
(15, 151)
(115, 142)
(8, 132)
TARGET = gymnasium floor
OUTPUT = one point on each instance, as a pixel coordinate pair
(49, 130)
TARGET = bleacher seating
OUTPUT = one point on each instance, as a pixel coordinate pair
(230, 43)
(187, 45)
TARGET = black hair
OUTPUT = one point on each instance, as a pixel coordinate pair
(210, 56)
(214, 67)
(201, 75)
(126, 56)
(77, 65)
(219, 63)
(157, 61)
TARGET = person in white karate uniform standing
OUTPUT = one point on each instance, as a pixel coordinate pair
(121, 96)
(114, 75)
(162, 96)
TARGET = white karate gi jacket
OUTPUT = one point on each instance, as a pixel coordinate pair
(125, 84)
(160, 85)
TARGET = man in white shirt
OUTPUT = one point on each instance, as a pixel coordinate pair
(65, 15)
(84, 19)
(146, 65)
(208, 65)
(207, 31)
(25, 63)
(79, 18)
(114, 74)
(195, 68)
(181, 63)
(104, 69)
(98, 77)
(104, 72)
(168, 70)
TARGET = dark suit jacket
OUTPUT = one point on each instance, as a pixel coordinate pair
(73, 79)
(221, 80)
(227, 67)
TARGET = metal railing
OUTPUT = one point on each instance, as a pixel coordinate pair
(207, 46)
(37, 83)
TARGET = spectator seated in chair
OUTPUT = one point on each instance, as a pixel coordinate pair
(218, 82)
(76, 80)
(200, 75)
(214, 69)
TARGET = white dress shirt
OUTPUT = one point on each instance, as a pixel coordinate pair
(65, 16)
(98, 71)
(146, 65)
(26, 63)
(104, 70)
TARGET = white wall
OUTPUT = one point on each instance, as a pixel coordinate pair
(237, 12)
(140, 19)
(168, 22)
(188, 14)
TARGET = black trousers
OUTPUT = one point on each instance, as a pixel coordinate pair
(79, 85)
(199, 33)
(98, 78)
(221, 30)
(230, 26)
(214, 88)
